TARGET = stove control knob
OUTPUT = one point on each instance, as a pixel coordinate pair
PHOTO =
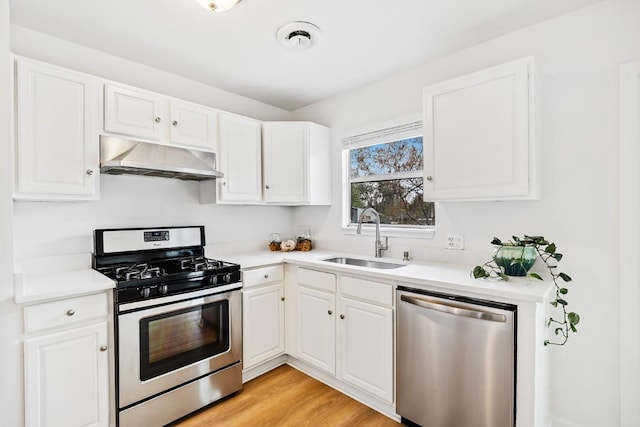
(214, 280)
(145, 292)
(163, 289)
(227, 278)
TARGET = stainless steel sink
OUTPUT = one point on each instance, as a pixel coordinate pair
(364, 263)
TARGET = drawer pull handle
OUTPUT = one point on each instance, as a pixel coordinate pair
(71, 312)
(266, 276)
(103, 348)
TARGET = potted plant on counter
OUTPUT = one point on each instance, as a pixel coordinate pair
(515, 258)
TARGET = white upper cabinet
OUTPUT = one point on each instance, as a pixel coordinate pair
(133, 112)
(480, 135)
(297, 168)
(143, 114)
(193, 125)
(240, 159)
(57, 116)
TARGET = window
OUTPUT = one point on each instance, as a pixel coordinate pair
(385, 172)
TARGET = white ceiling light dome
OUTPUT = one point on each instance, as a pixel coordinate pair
(218, 5)
(298, 35)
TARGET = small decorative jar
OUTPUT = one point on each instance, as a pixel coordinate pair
(515, 260)
(274, 242)
(303, 239)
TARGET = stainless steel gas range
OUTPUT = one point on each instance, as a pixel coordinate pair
(178, 318)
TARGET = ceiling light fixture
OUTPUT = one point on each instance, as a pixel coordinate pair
(217, 5)
(298, 35)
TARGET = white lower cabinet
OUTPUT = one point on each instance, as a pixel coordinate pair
(366, 346)
(67, 370)
(316, 328)
(345, 327)
(263, 324)
(263, 319)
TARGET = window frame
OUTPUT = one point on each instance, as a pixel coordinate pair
(381, 134)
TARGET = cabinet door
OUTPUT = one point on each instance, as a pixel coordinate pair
(366, 347)
(193, 126)
(263, 325)
(67, 378)
(316, 333)
(286, 162)
(240, 159)
(57, 154)
(134, 112)
(478, 135)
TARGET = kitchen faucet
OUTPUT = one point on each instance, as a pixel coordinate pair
(379, 246)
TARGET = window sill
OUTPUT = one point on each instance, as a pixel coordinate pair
(407, 233)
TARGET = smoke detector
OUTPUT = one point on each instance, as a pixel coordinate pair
(298, 35)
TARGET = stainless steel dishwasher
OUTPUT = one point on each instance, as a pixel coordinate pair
(455, 362)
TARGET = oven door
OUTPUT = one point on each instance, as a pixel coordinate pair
(173, 342)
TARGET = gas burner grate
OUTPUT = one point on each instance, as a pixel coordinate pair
(199, 264)
(133, 271)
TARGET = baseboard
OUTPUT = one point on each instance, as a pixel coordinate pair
(263, 368)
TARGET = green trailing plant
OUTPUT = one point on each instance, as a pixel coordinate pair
(548, 253)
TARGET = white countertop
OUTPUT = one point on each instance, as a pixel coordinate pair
(57, 277)
(436, 276)
(66, 276)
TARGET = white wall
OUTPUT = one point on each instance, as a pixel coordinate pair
(578, 56)
(56, 228)
(10, 349)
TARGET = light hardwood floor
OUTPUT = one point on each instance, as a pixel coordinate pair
(286, 397)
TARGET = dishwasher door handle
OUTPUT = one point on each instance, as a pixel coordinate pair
(454, 309)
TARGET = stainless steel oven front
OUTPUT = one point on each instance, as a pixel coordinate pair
(166, 343)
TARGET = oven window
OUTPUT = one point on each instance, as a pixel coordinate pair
(172, 340)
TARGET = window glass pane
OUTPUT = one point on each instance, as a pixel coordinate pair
(398, 201)
(388, 158)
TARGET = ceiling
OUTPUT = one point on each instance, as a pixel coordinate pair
(360, 41)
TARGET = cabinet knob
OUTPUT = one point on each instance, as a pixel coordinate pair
(429, 178)
(281, 298)
(71, 312)
(158, 119)
(89, 172)
(224, 182)
(330, 312)
(174, 123)
(342, 316)
(266, 276)
(103, 348)
(266, 186)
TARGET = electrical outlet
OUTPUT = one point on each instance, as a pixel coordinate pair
(455, 241)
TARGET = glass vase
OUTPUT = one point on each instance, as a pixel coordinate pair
(515, 260)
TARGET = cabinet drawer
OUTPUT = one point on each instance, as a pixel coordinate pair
(259, 276)
(317, 279)
(65, 312)
(367, 290)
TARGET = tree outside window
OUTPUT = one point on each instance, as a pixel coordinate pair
(389, 178)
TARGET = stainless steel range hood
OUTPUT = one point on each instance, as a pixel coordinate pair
(120, 156)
